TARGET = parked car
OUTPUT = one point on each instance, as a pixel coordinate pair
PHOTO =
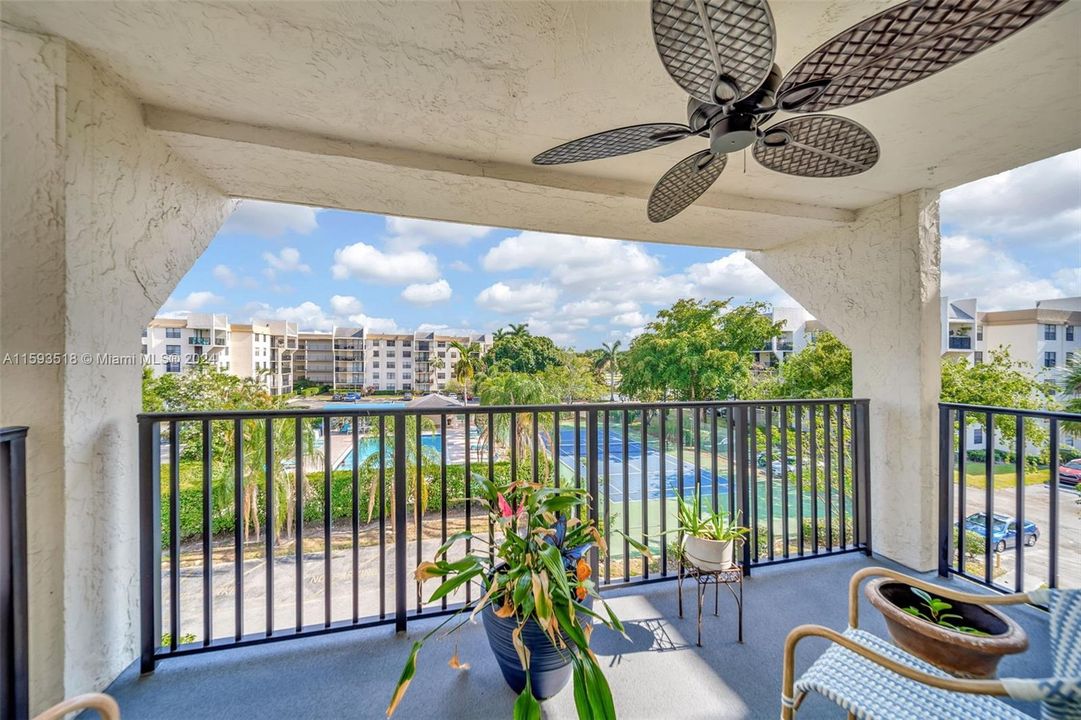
(351, 397)
(1003, 529)
(1070, 473)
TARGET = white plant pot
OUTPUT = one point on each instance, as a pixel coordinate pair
(710, 555)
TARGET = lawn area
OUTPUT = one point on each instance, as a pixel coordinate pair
(1004, 474)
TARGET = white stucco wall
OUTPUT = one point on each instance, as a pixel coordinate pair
(875, 284)
(116, 221)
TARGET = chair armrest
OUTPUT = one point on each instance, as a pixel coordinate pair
(105, 705)
(977, 687)
(1036, 597)
(1052, 690)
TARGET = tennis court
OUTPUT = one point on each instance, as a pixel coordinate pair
(636, 456)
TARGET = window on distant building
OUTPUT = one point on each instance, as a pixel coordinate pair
(977, 435)
(375, 376)
(144, 349)
(1049, 359)
(978, 357)
(172, 333)
(173, 367)
(1069, 358)
(1050, 332)
(172, 349)
(1069, 333)
(144, 332)
(979, 332)
(390, 376)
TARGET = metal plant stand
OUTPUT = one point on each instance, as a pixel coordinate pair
(702, 578)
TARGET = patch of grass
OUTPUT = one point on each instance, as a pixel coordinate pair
(1004, 475)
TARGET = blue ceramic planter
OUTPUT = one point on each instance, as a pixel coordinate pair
(549, 667)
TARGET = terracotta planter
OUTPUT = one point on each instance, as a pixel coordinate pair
(711, 555)
(957, 653)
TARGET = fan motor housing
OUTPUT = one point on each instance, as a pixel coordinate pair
(732, 133)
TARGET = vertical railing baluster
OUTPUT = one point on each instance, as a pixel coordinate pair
(555, 448)
(945, 491)
(696, 426)
(401, 538)
(355, 445)
(770, 510)
(1019, 502)
(662, 455)
(626, 499)
(680, 485)
(643, 454)
(743, 466)
(863, 477)
(827, 447)
(752, 428)
(812, 419)
(491, 479)
(962, 440)
(382, 449)
(208, 539)
(298, 512)
(713, 457)
(729, 426)
(800, 539)
(327, 508)
(592, 481)
(605, 443)
(443, 488)
(784, 479)
(1053, 510)
(536, 449)
(468, 495)
(268, 528)
(238, 529)
(513, 446)
(854, 476)
(418, 494)
(988, 493)
(578, 452)
(16, 610)
(174, 533)
(842, 515)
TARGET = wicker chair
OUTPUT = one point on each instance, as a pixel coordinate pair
(872, 678)
(105, 706)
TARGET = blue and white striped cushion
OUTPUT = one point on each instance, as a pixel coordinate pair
(1062, 696)
(870, 691)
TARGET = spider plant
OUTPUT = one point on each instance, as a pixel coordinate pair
(538, 571)
(934, 609)
(708, 526)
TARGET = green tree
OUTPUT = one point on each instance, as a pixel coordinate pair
(520, 351)
(998, 381)
(823, 369)
(469, 363)
(1071, 385)
(608, 359)
(573, 379)
(696, 350)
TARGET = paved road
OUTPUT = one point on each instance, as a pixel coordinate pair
(1037, 558)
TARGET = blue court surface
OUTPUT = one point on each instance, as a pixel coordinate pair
(633, 461)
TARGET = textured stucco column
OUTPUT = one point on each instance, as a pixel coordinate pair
(875, 284)
(100, 221)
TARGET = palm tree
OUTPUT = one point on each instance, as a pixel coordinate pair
(1071, 384)
(609, 360)
(518, 389)
(429, 458)
(500, 334)
(519, 329)
(286, 485)
(468, 365)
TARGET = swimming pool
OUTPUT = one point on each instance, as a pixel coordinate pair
(331, 406)
(366, 447)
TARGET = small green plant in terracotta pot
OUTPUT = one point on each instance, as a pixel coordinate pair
(537, 600)
(709, 539)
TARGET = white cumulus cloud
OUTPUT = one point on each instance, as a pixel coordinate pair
(572, 260)
(410, 233)
(517, 298)
(225, 275)
(284, 261)
(427, 294)
(270, 220)
(365, 262)
(345, 305)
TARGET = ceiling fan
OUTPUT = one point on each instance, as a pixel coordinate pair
(721, 53)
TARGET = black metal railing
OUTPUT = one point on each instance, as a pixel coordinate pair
(354, 499)
(960, 342)
(1003, 485)
(14, 662)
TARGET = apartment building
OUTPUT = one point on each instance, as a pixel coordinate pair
(1046, 336)
(171, 344)
(419, 362)
(798, 331)
(314, 359)
(349, 359)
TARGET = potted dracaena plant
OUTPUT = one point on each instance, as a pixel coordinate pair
(709, 539)
(537, 598)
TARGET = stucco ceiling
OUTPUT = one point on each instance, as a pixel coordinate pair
(435, 109)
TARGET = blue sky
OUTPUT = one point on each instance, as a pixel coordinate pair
(1010, 240)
